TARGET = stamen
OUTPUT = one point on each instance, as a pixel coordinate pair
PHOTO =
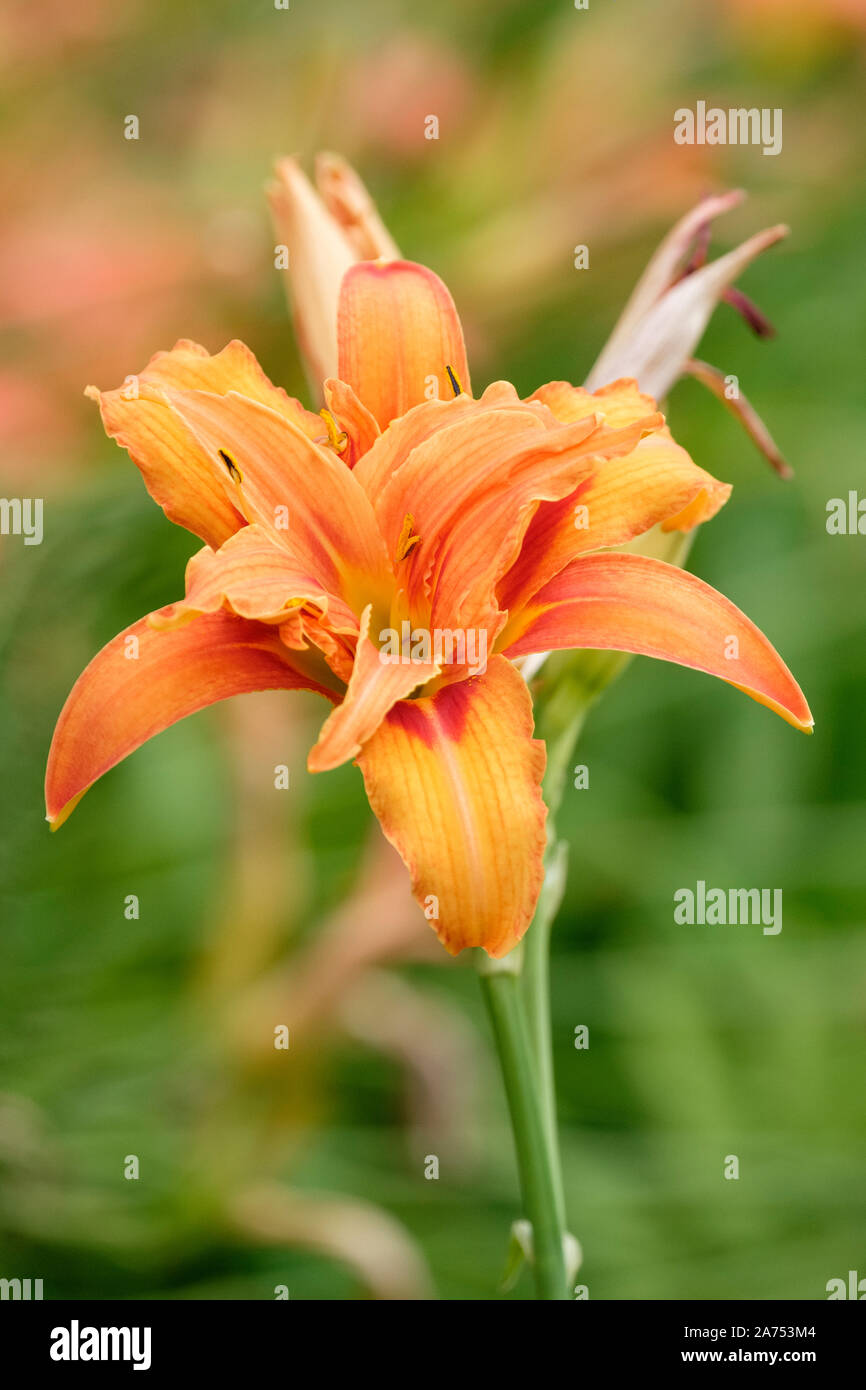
(758, 322)
(748, 417)
(454, 379)
(337, 438)
(234, 472)
(407, 541)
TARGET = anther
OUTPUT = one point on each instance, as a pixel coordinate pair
(337, 438)
(407, 541)
(454, 379)
(234, 472)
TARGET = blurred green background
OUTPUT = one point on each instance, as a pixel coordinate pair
(154, 1037)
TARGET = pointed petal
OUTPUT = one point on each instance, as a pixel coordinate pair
(657, 348)
(375, 686)
(133, 690)
(455, 780)
(276, 472)
(397, 330)
(178, 475)
(630, 603)
(320, 253)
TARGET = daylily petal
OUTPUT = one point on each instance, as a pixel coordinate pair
(455, 781)
(702, 507)
(656, 483)
(476, 480)
(255, 579)
(394, 446)
(145, 680)
(276, 472)
(375, 686)
(189, 367)
(320, 253)
(177, 473)
(630, 603)
(398, 331)
(618, 403)
(483, 477)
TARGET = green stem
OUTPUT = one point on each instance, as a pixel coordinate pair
(536, 985)
(536, 973)
(500, 984)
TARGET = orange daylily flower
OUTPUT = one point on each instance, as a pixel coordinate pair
(491, 516)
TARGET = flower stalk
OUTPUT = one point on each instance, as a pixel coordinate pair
(500, 986)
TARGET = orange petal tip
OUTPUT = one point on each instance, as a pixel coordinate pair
(64, 812)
